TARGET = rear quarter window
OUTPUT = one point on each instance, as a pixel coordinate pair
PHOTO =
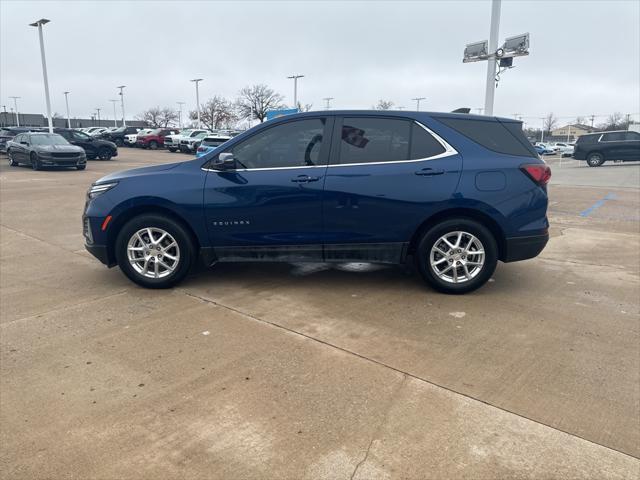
(506, 138)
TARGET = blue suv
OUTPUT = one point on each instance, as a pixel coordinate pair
(453, 192)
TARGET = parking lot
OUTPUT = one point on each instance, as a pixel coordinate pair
(320, 371)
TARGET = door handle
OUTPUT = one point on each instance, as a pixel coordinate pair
(304, 179)
(430, 172)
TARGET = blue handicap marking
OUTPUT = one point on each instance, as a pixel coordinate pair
(598, 204)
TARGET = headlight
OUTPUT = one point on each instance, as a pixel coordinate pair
(99, 189)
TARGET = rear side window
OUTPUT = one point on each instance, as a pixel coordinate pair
(372, 140)
(499, 137)
(613, 137)
(423, 144)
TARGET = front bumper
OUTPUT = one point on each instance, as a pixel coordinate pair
(62, 162)
(523, 248)
(101, 252)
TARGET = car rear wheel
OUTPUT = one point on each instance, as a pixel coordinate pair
(457, 256)
(104, 153)
(12, 161)
(153, 145)
(595, 159)
(172, 150)
(154, 251)
(35, 161)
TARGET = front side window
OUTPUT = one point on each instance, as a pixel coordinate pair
(372, 140)
(79, 136)
(292, 144)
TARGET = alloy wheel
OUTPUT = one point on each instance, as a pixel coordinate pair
(153, 252)
(457, 257)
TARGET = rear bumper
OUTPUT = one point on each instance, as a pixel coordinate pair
(522, 248)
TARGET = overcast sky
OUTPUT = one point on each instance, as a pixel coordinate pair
(585, 55)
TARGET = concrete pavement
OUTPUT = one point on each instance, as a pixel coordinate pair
(318, 371)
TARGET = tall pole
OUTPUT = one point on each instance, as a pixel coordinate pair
(417, 100)
(15, 104)
(197, 81)
(66, 101)
(39, 24)
(491, 63)
(124, 121)
(115, 121)
(295, 89)
(328, 100)
(180, 113)
(98, 110)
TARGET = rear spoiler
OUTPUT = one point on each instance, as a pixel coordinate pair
(461, 110)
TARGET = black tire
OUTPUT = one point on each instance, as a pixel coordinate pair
(153, 145)
(81, 167)
(119, 142)
(104, 153)
(172, 150)
(35, 161)
(595, 159)
(173, 228)
(435, 233)
(12, 162)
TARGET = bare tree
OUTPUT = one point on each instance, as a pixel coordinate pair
(168, 116)
(549, 122)
(254, 101)
(384, 105)
(304, 108)
(615, 121)
(218, 112)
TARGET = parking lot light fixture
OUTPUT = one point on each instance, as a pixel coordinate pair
(121, 87)
(66, 101)
(15, 104)
(417, 100)
(197, 81)
(328, 100)
(39, 24)
(115, 121)
(180, 104)
(295, 88)
(98, 110)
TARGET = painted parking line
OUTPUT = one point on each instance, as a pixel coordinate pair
(598, 204)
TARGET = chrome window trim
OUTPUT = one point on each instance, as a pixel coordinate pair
(448, 151)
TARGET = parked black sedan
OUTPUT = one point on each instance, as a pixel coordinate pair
(40, 149)
(93, 147)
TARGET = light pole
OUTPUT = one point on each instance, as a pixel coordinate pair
(39, 24)
(15, 104)
(479, 110)
(180, 104)
(295, 89)
(491, 61)
(197, 81)
(98, 110)
(115, 122)
(66, 101)
(328, 100)
(121, 87)
(417, 100)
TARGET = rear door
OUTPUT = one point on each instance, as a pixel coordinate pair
(631, 148)
(386, 175)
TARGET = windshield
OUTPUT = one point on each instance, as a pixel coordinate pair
(49, 139)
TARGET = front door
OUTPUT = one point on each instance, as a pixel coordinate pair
(268, 205)
(386, 176)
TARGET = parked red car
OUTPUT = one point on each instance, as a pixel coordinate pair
(155, 138)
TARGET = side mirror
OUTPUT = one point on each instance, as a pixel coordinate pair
(224, 161)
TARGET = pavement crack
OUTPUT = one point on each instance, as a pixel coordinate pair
(396, 369)
(376, 434)
(33, 237)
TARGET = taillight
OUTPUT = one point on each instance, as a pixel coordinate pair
(540, 173)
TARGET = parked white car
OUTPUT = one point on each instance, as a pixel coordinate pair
(172, 142)
(564, 149)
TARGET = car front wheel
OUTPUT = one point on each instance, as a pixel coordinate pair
(35, 161)
(12, 161)
(595, 159)
(457, 256)
(154, 251)
(104, 153)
